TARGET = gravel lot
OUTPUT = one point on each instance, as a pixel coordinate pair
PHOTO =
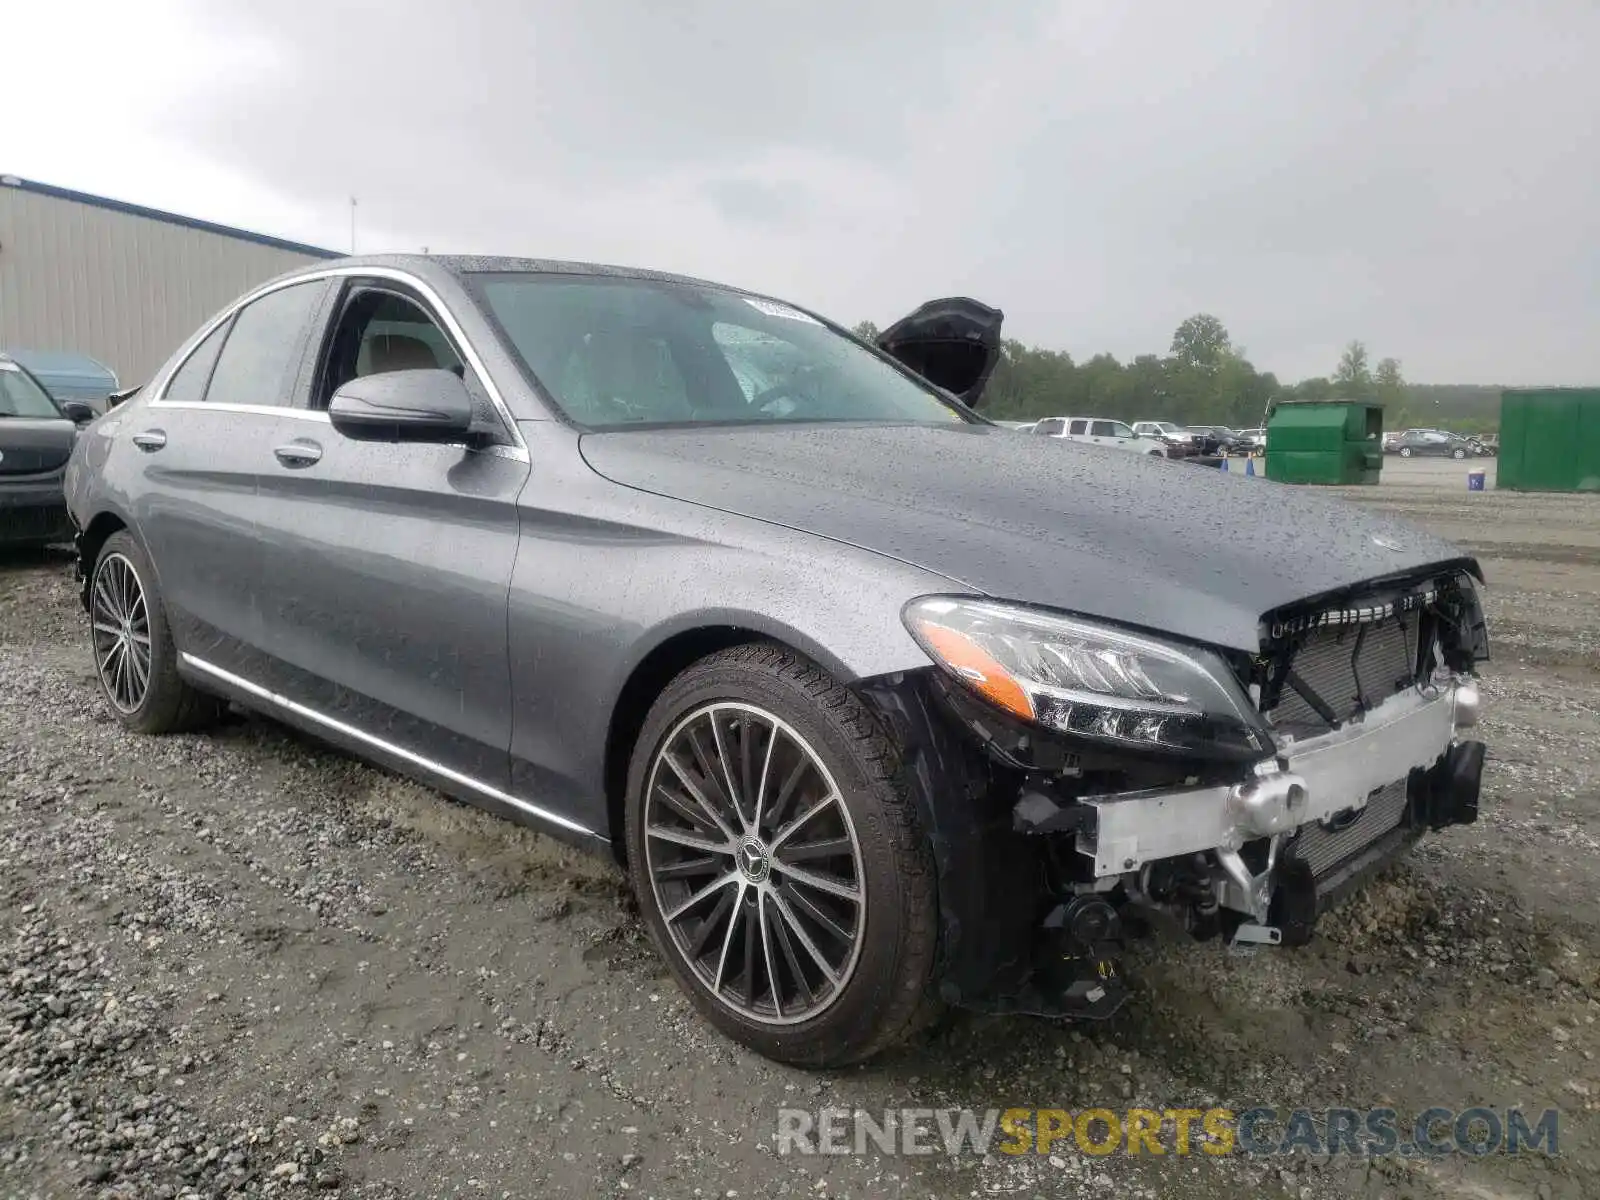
(245, 964)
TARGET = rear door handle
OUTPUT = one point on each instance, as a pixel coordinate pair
(299, 453)
(150, 439)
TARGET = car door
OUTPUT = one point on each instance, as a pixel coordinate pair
(195, 448)
(1103, 433)
(385, 566)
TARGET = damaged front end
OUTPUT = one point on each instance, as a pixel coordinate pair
(1083, 783)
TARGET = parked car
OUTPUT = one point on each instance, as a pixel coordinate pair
(70, 376)
(36, 438)
(1430, 442)
(1219, 439)
(1100, 431)
(882, 706)
(1254, 439)
(1180, 442)
(1019, 426)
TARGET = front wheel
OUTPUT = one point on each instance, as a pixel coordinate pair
(1458, 454)
(1405, 451)
(779, 863)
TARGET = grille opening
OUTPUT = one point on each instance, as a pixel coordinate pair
(1322, 675)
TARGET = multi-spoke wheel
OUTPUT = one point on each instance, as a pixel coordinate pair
(779, 866)
(121, 624)
(754, 862)
(133, 653)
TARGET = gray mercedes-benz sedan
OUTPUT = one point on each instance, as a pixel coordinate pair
(881, 705)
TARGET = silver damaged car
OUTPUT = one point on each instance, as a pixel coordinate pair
(881, 706)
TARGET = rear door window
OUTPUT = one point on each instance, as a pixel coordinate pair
(260, 361)
(1079, 428)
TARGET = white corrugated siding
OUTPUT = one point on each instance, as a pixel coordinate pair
(124, 289)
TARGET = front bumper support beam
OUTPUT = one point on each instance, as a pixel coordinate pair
(1311, 781)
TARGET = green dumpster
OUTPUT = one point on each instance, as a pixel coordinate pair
(1325, 441)
(1549, 440)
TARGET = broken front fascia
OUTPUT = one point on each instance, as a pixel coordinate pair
(1312, 780)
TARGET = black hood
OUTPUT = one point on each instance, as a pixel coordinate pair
(953, 343)
(1166, 545)
(30, 445)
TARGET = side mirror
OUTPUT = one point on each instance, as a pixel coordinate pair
(428, 405)
(78, 412)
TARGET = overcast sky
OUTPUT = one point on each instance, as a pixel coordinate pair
(1423, 176)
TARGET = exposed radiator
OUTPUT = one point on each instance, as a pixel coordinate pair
(1322, 848)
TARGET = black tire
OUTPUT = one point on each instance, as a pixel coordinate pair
(886, 996)
(168, 703)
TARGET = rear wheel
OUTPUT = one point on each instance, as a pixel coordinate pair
(1458, 453)
(780, 866)
(134, 657)
(1405, 451)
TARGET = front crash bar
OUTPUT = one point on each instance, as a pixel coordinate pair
(1311, 780)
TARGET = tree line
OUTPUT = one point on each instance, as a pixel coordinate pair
(1205, 379)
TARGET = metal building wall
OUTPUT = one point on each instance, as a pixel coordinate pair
(123, 288)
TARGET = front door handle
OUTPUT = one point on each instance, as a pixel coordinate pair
(150, 440)
(301, 452)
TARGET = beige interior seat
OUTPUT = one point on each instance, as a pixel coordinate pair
(397, 352)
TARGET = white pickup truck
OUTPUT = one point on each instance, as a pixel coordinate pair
(1100, 431)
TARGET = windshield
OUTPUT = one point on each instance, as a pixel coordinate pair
(20, 396)
(616, 352)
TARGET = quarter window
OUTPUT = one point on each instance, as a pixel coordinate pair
(260, 361)
(188, 382)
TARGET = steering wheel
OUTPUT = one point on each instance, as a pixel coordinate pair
(624, 408)
(764, 401)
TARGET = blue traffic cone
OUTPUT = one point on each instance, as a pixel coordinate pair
(1250, 465)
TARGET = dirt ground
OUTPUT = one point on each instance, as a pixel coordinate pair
(242, 962)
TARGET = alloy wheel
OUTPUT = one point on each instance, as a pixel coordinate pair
(754, 863)
(121, 628)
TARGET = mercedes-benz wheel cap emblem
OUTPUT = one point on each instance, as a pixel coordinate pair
(754, 860)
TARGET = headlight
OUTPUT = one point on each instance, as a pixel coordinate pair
(1090, 680)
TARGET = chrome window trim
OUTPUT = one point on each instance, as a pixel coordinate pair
(439, 310)
(350, 731)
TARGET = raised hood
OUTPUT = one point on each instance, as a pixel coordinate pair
(953, 343)
(1146, 541)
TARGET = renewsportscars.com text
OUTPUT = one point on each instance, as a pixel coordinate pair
(1370, 1133)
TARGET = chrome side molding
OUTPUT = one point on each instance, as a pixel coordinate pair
(285, 704)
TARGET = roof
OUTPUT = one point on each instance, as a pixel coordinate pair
(462, 264)
(166, 218)
(64, 367)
